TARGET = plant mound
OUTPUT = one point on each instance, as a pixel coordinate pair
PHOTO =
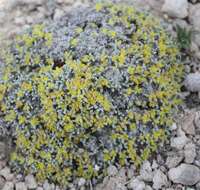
(89, 91)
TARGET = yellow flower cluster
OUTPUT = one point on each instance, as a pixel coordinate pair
(103, 99)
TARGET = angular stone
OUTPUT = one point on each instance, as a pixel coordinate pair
(81, 182)
(30, 182)
(2, 150)
(2, 182)
(159, 180)
(194, 16)
(185, 174)
(114, 184)
(192, 82)
(178, 9)
(39, 188)
(20, 186)
(174, 159)
(146, 173)
(197, 120)
(112, 170)
(8, 186)
(48, 186)
(5, 172)
(179, 142)
(188, 123)
(190, 153)
(136, 184)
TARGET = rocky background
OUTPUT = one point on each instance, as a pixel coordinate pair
(177, 165)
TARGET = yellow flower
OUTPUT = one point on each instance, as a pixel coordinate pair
(10, 116)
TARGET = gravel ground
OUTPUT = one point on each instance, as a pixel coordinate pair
(177, 165)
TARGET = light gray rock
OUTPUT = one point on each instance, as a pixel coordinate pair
(131, 172)
(121, 176)
(20, 21)
(178, 9)
(33, 2)
(192, 82)
(159, 180)
(58, 13)
(5, 172)
(120, 186)
(185, 174)
(20, 186)
(30, 182)
(136, 184)
(198, 186)
(8, 186)
(174, 159)
(2, 150)
(188, 123)
(48, 186)
(194, 16)
(190, 153)
(197, 120)
(81, 182)
(39, 188)
(114, 184)
(2, 164)
(57, 188)
(155, 165)
(181, 23)
(148, 187)
(173, 127)
(2, 182)
(146, 173)
(194, 48)
(112, 170)
(179, 142)
(69, 2)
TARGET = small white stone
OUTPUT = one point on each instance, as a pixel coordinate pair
(146, 173)
(97, 168)
(20, 21)
(136, 184)
(197, 120)
(194, 16)
(188, 123)
(179, 142)
(192, 82)
(8, 186)
(57, 188)
(48, 186)
(154, 165)
(39, 188)
(20, 186)
(174, 159)
(58, 14)
(112, 170)
(178, 8)
(190, 153)
(159, 180)
(81, 182)
(173, 127)
(185, 174)
(2, 182)
(131, 172)
(30, 182)
(5, 172)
